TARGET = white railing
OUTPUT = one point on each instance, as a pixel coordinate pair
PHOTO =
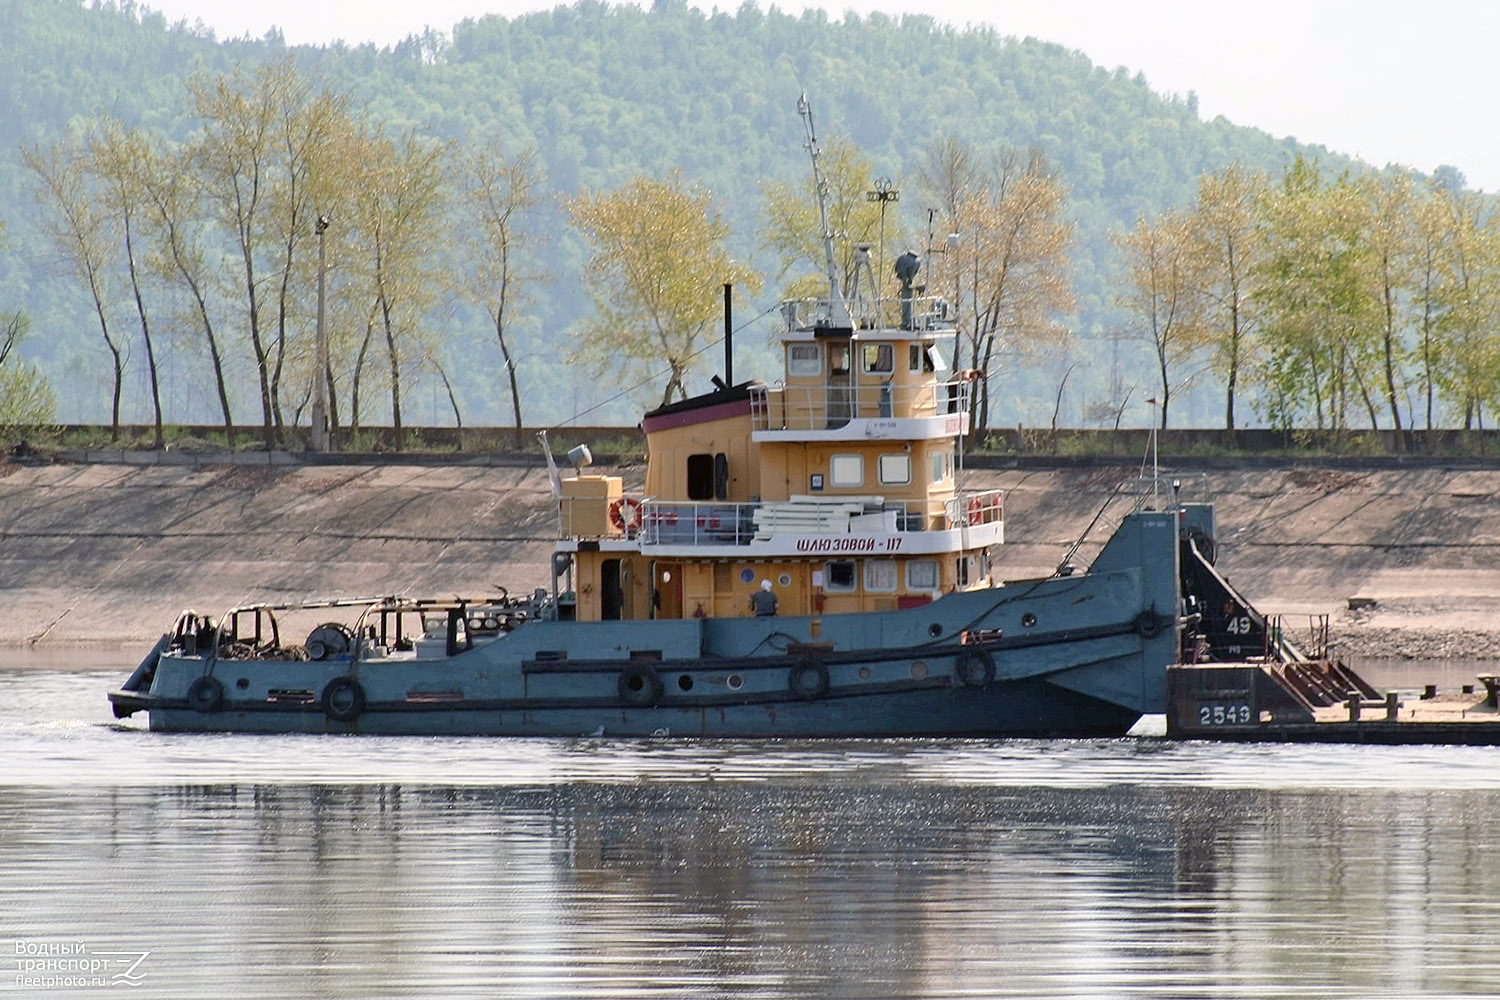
(920, 312)
(970, 509)
(824, 407)
(657, 522)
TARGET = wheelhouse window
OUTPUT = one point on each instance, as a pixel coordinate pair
(877, 359)
(894, 470)
(803, 359)
(922, 575)
(839, 577)
(846, 470)
(880, 575)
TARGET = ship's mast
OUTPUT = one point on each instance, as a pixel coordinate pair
(837, 307)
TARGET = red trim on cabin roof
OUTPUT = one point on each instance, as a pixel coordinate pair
(685, 418)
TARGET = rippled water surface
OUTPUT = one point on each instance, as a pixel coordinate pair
(299, 866)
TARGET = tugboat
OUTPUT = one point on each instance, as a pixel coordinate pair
(802, 562)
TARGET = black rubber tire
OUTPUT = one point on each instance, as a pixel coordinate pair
(973, 668)
(343, 699)
(808, 680)
(639, 686)
(1148, 624)
(206, 694)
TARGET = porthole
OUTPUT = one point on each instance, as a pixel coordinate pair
(747, 575)
(934, 630)
(864, 673)
(242, 683)
(734, 682)
(784, 580)
(685, 682)
(1028, 619)
(919, 671)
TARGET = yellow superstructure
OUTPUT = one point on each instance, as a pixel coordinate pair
(838, 484)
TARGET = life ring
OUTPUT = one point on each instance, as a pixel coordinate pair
(639, 686)
(343, 699)
(808, 680)
(983, 510)
(206, 694)
(973, 668)
(625, 514)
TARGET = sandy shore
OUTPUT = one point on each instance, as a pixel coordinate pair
(101, 557)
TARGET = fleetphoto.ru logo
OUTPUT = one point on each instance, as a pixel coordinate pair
(49, 965)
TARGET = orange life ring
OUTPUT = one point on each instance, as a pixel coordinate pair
(982, 511)
(625, 514)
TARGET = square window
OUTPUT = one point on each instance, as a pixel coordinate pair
(878, 359)
(846, 470)
(880, 574)
(803, 359)
(922, 574)
(937, 468)
(840, 577)
(895, 470)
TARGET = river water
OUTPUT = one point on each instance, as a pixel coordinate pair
(359, 867)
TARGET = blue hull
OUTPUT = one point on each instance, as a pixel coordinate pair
(1075, 655)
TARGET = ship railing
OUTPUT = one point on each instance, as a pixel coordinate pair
(970, 509)
(829, 407)
(718, 523)
(916, 313)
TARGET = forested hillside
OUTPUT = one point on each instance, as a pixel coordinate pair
(603, 95)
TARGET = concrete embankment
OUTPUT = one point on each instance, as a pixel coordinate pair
(109, 552)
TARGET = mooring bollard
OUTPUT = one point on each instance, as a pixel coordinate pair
(1392, 705)
(1354, 708)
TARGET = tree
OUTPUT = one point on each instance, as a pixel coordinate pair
(1227, 242)
(502, 190)
(170, 188)
(1469, 358)
(1162, 292)
(1319, 317)
(25, 398)
(658, 256)
(80, 237)
(234, 154)
(793, 228)
(1010, 268)
(115, 157)
(398, 213)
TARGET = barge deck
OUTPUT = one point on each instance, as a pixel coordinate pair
(1322, 701)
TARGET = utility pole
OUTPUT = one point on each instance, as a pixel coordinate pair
(320, 442)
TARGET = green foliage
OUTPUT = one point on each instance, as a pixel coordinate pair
(604, 94)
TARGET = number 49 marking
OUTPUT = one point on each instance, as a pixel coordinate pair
(1239, 626)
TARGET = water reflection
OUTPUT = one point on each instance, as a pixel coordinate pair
(766, 888)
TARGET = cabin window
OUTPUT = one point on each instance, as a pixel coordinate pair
(940, 466)
(933, 359)
(803, 359)
(880, 575)
(922, 575)
(878, 359)
(838, 359)
(921, 358)
(846, 470)
(700, 477)
(839, 577)
(961, 566)
(895, 470)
